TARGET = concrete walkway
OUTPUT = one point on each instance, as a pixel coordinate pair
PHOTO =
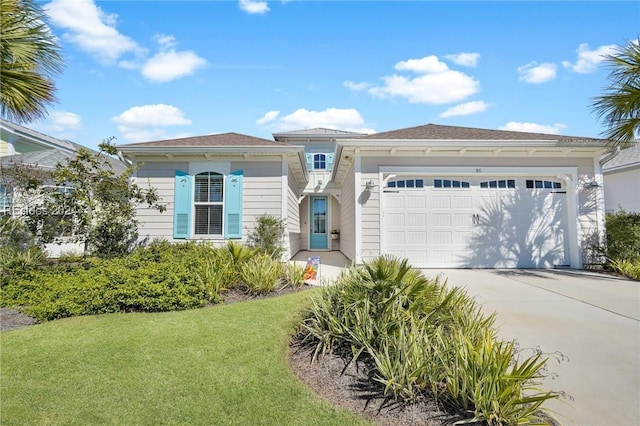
(592, 319)
(332, 264)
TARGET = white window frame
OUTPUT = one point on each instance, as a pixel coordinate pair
(209, 203)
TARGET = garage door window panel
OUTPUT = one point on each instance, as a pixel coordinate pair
(406, 183)
(450, 184)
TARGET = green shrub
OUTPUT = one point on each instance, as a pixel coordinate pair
(268, 235)
(160, 277)
(627, 268)
(424, 338)
(16, 261)
(294, 274)
(623, 236)
(261, 274)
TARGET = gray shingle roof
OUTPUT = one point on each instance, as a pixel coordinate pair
(49, 158)
(221, 140)
(440, 132)
(32, 134)
(624, 158)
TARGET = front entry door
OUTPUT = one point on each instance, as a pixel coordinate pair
(319, 235)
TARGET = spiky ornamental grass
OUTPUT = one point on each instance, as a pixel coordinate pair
(425, 338)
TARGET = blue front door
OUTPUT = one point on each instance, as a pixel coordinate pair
(319, 234)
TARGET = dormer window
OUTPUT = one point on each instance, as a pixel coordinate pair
(319, 161)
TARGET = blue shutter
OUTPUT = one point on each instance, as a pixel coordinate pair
(182, 201)
(233, 205)
(329, 161)
(310, 161)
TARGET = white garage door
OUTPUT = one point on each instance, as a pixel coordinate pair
(499, 222)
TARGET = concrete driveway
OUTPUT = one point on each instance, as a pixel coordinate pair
(592, 319)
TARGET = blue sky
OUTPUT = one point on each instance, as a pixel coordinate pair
(151, 70)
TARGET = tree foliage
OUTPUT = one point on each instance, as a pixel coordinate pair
(101, 203)
(619, 106)
(82, 200)
(29, 57)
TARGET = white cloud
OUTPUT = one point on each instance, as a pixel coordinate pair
(516, 126)
(588, 60)
(148, 122)
(95, 32)
(253, 7)
(535, 73)
(464, 59)
(436, 84)
(348, 119)
(427, 65)
(356, 86)
(59, 124)
(165, 41)
(171, 65)
(268, 117)
(467, 108)
(91, 29)
(63, 120)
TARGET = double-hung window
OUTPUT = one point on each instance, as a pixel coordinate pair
(208, 203)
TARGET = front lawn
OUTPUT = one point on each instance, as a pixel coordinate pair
(220, 365)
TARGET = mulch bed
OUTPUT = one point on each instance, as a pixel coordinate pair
(352, 386)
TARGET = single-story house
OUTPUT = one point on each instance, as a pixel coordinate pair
(622, 180)
(441, 196)
(20, 145)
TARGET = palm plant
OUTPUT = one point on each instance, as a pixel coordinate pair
(29, 55)
(619, 107)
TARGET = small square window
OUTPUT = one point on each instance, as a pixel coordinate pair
(411, 183)
(511, 183)
(419, 183)
(437, 183)
(456, 184)
(400, 184)
(465, 184)
(502, 184)
(493, 184)
(548, 184)
(446, 183)
(557, 185)
(391, 184)
(529, 184)
(538, 184)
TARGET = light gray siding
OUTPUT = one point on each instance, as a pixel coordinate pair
(347, 216)
(262, 190)
(262, 194)
(159, 175)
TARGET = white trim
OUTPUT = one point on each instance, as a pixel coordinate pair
(284, 206)
(222, 167)
(600, 205)
(381, 205)
(357, 166)
(568, 174)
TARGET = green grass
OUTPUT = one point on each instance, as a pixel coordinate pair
(221, 365)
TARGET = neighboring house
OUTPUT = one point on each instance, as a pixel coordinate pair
(440, 196)
(20, 145)
(622, 180)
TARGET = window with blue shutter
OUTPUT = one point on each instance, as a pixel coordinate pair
(182, 205)
(309, 161)
(330, 161)
(233, 205)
